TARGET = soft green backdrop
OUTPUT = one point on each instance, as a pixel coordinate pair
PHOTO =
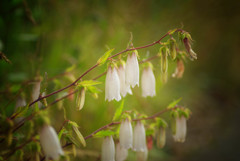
(77, 32)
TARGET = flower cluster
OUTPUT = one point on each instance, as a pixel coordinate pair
(120, 80)
(127, 140)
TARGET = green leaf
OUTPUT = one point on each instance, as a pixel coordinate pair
(170, 32)
(161, 122)
(118, 111)
(61, 133)
(174, 103)
(71, 68)
(104, 58)
(87, 83)
(93, 89)
(104, 133)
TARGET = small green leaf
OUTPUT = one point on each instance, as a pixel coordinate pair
(71, 68)
(161, 122)
(61, 133)
(87, 83)
(104, 58)
(104, 133)
(170, 32)
(174, 103)
(118, 111)
(93, 89)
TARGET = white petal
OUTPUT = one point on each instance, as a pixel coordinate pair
(36, 90)
(139, 137)
(132, 70)
(126, 134)
(112, 85)
(109, 73)
(50, 143)
(121, 153)
(148, 83)
(108, 149)
(124, 89)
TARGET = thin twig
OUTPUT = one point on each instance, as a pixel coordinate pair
(96, 65)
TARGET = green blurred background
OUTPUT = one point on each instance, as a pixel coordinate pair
(78, 31)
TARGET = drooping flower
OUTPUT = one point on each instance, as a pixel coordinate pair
(36, 90)
(142, 155)
(124, 88)
(148, 82)
(121, 153)
(179, 69)
(21, 102)
(132, 70)
(112, 85)
(126, 134)
(108, 149)
(187, 43)
(181, 129)
(139, 137)
(50, 143)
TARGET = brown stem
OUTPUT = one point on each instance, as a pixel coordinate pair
(116, 123)
(96, 65)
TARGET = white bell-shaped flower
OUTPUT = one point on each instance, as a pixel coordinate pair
(121, 153)
(148, 82)
(36, 90)
(142, 155)
(112, 85)
(108, 149)
(139, 137)
(50, 143)
(124, 88)
(126, 134)
(132, 70)
(21, 102)
(181, 129)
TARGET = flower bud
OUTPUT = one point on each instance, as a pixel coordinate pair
(50, 143)
(164, 63)
(81, 98)
(181, 129)
(132, 70)
(112, 85)
(121, 153)
(108, 149)
(148, 82)
(124, 88)
(172, 48)
(126, 134)
(139, 137)
(179, 69)
(161, 137)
